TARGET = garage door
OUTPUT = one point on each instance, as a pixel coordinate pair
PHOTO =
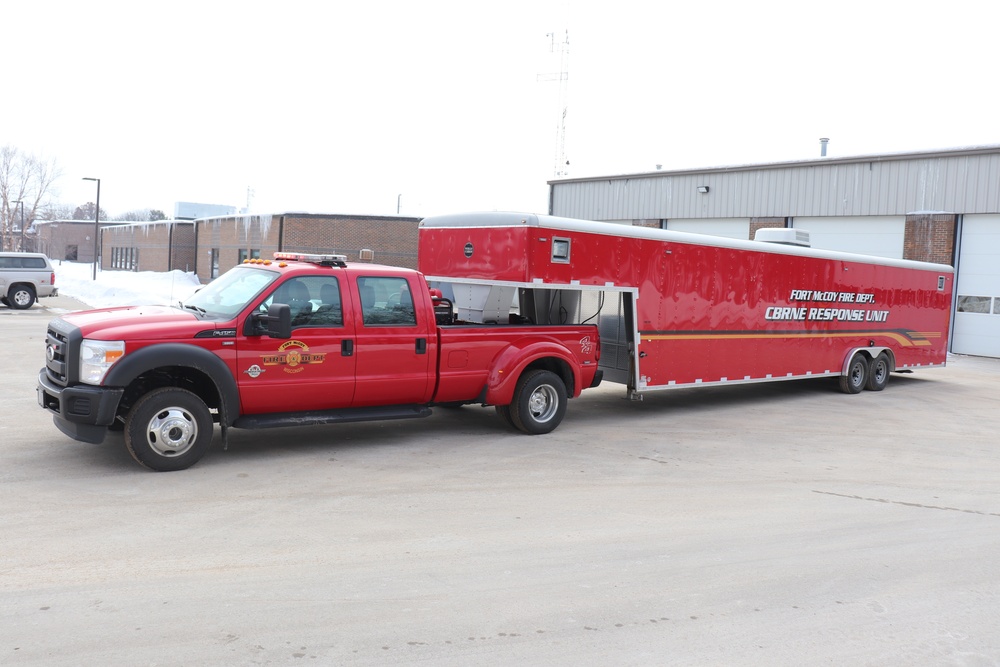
(977, 317)
(733, 228)
(874, 235)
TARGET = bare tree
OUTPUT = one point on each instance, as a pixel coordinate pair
(56, 212)
(25, 178)
(141, 215)
(86, 212)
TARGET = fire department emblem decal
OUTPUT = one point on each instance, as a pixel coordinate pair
(293, 356)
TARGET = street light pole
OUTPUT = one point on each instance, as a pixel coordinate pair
(97, 221)
(21, 204)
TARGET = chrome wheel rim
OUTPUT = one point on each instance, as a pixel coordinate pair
(543, 403)
(172, 432)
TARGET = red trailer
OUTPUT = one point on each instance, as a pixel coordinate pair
(676, 309)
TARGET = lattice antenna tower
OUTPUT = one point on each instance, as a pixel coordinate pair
(560, 163)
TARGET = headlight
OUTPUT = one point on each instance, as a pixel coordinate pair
(97, 356)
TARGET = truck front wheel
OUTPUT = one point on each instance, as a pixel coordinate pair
(168, 429)
(539, 402)
(21, 297)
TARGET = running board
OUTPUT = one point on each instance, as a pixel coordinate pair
(315, 417)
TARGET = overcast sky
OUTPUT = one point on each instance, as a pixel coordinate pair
(441, 106)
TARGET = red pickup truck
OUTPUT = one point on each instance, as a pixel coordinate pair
(299, 340)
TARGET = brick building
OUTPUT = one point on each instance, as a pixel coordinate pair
(148, 246)
(223, 242)
(71, 240)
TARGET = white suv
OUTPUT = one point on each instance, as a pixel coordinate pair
(24, 277)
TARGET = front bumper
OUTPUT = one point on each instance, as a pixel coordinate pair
(82, 412)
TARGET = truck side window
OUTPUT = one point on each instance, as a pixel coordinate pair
(314, 301)
(295, 293)
(386, 301)
(329, 312)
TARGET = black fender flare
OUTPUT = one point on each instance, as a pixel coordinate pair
(134, 364)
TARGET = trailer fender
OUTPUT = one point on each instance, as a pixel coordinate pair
(871, 353)
(515, 359)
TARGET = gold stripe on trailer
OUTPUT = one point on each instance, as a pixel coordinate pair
(902, 340)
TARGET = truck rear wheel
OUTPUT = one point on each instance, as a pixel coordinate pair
(168, 429)
(21, 297)
(878, 373)
(504, 412)
(539, 402)
(856, 377)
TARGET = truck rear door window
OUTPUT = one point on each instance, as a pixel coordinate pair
(386, 301)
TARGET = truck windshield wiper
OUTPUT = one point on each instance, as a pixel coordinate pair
(190, 307)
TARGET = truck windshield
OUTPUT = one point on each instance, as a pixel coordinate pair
(228, 294)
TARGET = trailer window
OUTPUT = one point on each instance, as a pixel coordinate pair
(974, 304)
(560, 250)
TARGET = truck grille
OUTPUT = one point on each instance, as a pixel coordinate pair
(62, 346)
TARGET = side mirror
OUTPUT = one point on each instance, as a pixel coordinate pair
(279, 321)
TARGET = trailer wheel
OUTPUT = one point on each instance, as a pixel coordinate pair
(857, 374)
(878, 373)
(168, 429)
(503, 411)
(539, 402)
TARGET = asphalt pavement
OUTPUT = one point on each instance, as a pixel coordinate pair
(778, 524)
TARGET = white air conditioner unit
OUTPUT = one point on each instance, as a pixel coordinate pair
(366, 255)
(785, 236)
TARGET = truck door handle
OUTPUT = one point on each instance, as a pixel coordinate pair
(347, 348)
(421, 346)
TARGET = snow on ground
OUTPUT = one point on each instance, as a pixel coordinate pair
(123, 288)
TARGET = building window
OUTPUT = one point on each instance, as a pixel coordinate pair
(245, 254)
(215, 264)
(71, 253)
(974, 304)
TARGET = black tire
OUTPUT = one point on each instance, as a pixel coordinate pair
(539, 402)
(4, 301)
(878, 373)
(856, 377)
(168, 429)
(21, 297)
(504, 412)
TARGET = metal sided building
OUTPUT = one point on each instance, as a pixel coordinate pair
(934, 206)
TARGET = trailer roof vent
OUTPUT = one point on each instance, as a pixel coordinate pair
(798, 237)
